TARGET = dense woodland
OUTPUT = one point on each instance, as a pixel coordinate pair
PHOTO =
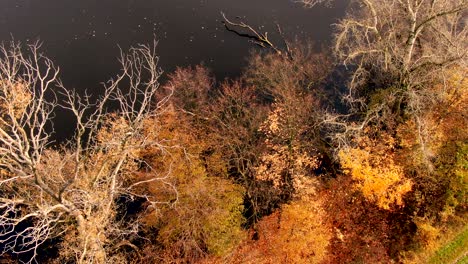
(356, 153)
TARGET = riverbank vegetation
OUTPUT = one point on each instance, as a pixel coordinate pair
(353, 154)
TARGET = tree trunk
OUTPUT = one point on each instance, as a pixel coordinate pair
(91, 241)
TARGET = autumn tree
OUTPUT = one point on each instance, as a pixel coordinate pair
(293, 147)
(376, 174)
(236, 119)
(397, 52)
(407, 66)
(193, 88)
(71, 192)
(394, 50)
(298, 233)
(405, 43)
(205, 217)
(438, 166)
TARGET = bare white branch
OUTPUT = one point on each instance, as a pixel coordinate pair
(312, 3)
(47, 192)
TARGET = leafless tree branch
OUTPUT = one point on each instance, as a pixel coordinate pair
(404, 45)
(258, 38)
(47, 192)
(312, 3)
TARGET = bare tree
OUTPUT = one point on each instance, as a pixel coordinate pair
(71, 192)
(411, 41)
(395, 50)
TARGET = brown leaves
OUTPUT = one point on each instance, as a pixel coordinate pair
(286, 162)
(363, 232)
(191, 88)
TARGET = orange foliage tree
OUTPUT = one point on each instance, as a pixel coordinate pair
(298, 233)
(204, 216)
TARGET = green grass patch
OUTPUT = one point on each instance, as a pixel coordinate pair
(456, 251)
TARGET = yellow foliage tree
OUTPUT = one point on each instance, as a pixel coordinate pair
(376, 175)
(296, 234)
(205, 215)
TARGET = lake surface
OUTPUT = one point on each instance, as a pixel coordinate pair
(82, 36)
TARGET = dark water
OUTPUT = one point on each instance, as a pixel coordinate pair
(82, 36)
